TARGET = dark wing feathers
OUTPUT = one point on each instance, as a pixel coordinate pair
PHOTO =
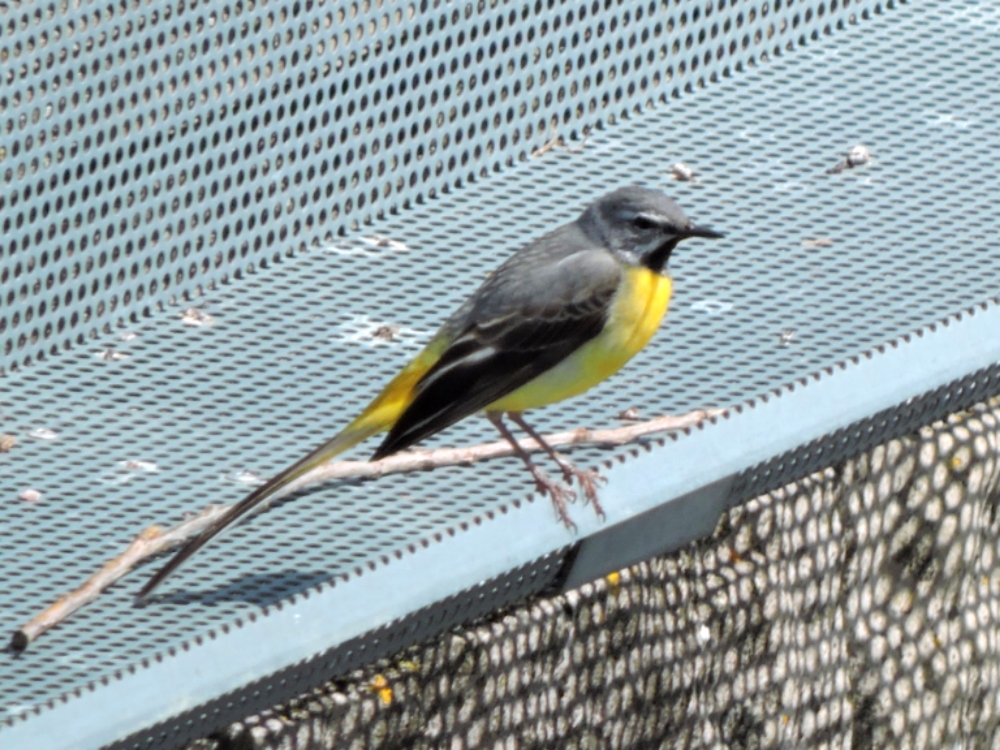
(523, 321)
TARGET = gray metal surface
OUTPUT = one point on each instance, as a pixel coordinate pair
(152, 151)
(289, 355)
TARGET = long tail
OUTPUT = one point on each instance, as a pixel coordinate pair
(380, 415)
(347, 439)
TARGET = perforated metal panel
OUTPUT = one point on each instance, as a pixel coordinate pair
(288, 355)
(151, 151)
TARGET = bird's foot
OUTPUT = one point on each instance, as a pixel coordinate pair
(558, 492)
(588, 479)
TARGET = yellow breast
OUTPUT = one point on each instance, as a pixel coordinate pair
(636, 312)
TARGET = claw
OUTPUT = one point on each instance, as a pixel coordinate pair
(559, 493)
(588, 479)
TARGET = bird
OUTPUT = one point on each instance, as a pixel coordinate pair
(560, 315)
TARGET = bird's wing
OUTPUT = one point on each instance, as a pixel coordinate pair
(521, 323)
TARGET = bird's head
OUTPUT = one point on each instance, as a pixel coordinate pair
(640, 225)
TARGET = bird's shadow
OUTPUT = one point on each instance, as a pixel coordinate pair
(262, 589)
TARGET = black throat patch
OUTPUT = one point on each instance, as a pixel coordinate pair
(656, 260)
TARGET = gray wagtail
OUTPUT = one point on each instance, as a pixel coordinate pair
(557, 317)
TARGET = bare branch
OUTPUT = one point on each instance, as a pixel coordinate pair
(149, 542)
(421, 460)
(154, 540)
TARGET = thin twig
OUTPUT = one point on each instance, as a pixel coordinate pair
(154, 540)
(421, 460)
(149, 542)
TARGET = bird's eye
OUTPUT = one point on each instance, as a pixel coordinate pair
(644, 223)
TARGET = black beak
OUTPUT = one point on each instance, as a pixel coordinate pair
(696, 231)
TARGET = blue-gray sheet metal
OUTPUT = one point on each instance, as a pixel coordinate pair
(153, 151)
(294, 596)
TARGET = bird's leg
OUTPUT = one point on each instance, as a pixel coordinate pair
(559, 493)
(587, 478)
